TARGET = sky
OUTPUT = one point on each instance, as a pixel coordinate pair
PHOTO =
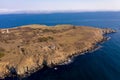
(59, 5)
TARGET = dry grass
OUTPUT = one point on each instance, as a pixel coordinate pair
(2, 52)
(45, 39)
(51, 45)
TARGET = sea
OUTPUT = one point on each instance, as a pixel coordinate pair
(102, 64)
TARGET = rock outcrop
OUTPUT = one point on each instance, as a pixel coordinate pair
(29, 48)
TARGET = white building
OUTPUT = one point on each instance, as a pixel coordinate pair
(4, 31)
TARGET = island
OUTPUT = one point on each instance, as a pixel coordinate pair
(26, 49)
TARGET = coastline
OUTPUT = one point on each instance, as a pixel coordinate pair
(71, 58)
(96, 47)
(92, 47)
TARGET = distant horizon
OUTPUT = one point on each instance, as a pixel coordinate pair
(49, 12)
(48, 6)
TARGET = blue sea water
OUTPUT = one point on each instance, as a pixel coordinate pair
(103, 64)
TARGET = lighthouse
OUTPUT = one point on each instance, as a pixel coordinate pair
(7, 31)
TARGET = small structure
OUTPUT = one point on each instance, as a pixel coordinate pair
(7, 31)
(52, 47)
(4, 31)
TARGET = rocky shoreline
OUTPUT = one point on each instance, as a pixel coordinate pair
(70, 59)
(96, 47)
(71, 32)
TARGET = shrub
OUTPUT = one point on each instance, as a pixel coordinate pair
(74, 27)
(50, 38)
(48, 30)
(1, 54)
(44, 39)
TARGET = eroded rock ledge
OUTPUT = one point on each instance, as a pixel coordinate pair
(23, 50)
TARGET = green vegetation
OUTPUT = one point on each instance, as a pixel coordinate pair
(74, 27)
(49, 37)
(1, 52)
(48, 30)
(32, 49)
(45, 39)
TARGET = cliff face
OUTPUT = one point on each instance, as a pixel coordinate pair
(25, 49)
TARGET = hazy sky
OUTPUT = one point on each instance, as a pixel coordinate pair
(51, 5)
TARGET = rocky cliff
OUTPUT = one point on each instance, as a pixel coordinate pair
(23, 50)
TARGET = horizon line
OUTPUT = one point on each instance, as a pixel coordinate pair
(53, 11)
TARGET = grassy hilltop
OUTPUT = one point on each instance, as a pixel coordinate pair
(29, 48)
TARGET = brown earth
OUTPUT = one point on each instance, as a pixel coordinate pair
(28, 48)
